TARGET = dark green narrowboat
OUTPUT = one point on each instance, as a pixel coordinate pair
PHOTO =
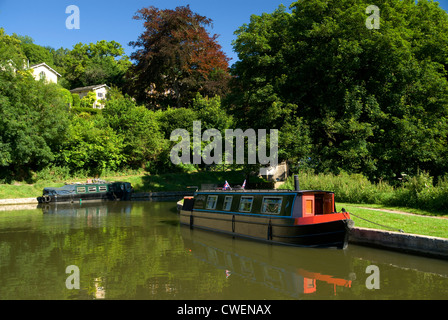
(292, 217)
(97, 190)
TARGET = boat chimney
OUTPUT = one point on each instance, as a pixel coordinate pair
(296, 183)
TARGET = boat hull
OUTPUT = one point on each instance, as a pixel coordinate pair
(271, 229)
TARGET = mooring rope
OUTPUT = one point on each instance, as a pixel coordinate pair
(378, 224)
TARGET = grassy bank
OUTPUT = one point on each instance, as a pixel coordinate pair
(140, 182)
(365, 217)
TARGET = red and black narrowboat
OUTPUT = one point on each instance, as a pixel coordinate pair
(305, 218)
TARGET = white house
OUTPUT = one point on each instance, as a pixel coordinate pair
(100, 92)
(43, 71)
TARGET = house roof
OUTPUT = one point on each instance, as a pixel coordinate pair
(46, 66)
(89, 88)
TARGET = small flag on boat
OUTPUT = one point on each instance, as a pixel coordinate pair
(244, 184)
(227, 186)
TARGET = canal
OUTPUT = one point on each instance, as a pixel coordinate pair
(138, 250)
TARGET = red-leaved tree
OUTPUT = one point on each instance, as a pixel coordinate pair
(176, 58)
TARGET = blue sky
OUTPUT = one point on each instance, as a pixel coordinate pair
(44, 20)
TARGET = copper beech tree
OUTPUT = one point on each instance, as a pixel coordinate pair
(175, 58)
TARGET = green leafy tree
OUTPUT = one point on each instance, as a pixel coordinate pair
(11, 54)
(142, 139)
(95, 63)
(91, 146)
(33, 121)
(211, 113)
(374, 100)
(37, 54)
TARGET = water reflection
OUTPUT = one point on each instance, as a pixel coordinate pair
(291, 271)
(89, 208)
(138, 250)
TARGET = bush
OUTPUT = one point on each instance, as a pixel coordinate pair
(352, 188)
(89, 100)
(33, 122)
(76, 100)
(415, 192)
(67, 96)
(79, 110)
(54, 174)
(419, 192)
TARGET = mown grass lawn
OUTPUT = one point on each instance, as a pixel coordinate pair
(22, 190)
(409, 223)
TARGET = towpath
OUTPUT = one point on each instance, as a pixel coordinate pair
(400, 212)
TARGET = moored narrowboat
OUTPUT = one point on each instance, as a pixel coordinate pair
(305, 218)
(96, 190)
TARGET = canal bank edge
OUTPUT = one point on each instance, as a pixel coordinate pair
(18, 201)
(433, 247)
(144, 196)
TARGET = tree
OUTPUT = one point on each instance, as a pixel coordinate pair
(142, 138)
(11, 54)
(37, 54)
(94, 63)
(374, 100)
(176, 58)
(211, 113)
(91, 146)
(33, 122)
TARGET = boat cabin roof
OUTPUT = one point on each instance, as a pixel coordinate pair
(262, 191)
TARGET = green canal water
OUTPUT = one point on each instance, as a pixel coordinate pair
(139, 251)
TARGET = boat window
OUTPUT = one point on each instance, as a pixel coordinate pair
(227, 203)
(102, 188)
(211, 202)
(271, 205)
(81, 189)
(199, 202)
(309, 207)
(92, 189)
(246, 204)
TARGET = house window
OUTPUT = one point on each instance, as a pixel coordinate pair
(42, 75)
(100, 95)
(81, 189)
(271, 205)
(246, 204)
(227, 203)
(211, 202)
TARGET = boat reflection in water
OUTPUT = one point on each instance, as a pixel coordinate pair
(93, 208)
(290, 270)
